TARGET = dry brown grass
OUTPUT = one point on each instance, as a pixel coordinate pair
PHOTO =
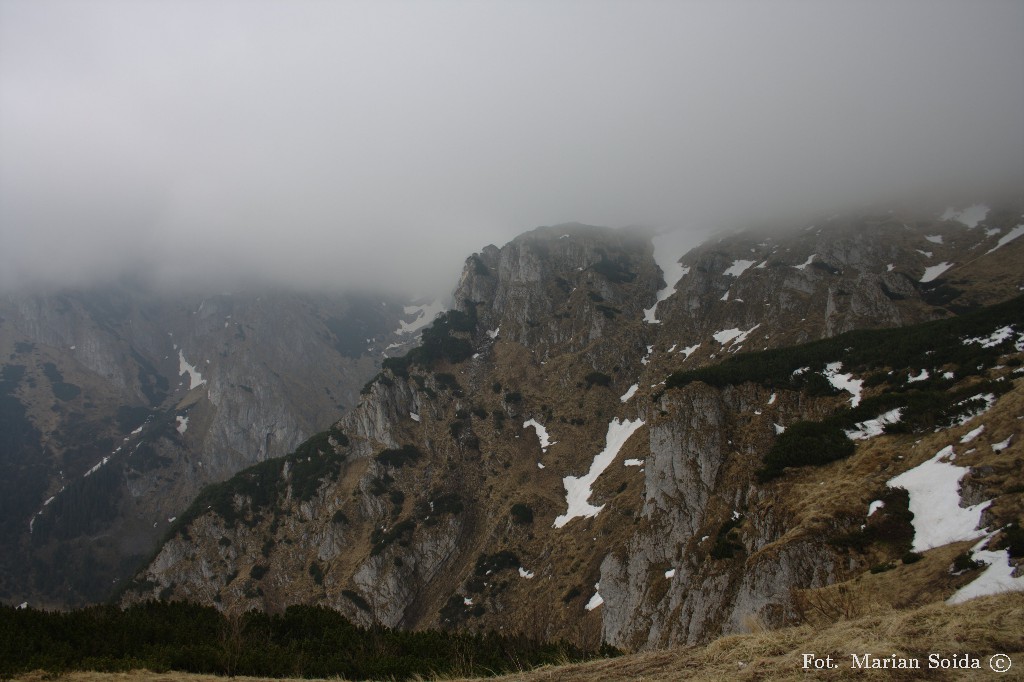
(993, 276)
(905, 586)
(815, 496)
(980, 628)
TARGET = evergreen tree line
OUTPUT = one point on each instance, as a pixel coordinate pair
(864, 351)
(304, 641)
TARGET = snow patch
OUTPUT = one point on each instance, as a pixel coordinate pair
(972, 434)
(1006, 239)
(542, 434)
(934, 488)
(577, 489)
(1002, 445)
(989, 400)
(738, 267)
(771, 399)
(844, 382)
(670, 573)
(934, 238)
(523, 573)
(996, 579)
(413, 416)
(874, 427)
(633, 463)
(596, 600)
(733, 335)
(493, 333)
(195, 379)
(994, 339)
(647, 358)
(970, 216)
(423, 315)
(779, 429)
(630, 393)
(934, 271)
(667, 249)
(96, 468)
(689, 350)
(875, 506)
(803, 266)
(182, 426)
(920, 377)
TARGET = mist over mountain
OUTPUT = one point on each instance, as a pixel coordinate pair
(630, 324)
(322, 145)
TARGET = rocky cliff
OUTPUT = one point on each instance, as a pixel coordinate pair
(576, 452)
(120, 404)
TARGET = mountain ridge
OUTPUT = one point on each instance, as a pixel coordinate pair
(441, 511)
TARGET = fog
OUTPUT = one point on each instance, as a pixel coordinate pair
(339, 144)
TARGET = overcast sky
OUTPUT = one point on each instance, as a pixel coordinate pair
(331, 143)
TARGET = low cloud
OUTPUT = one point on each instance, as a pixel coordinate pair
(379, 143)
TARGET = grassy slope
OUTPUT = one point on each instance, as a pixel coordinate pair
(981, 628)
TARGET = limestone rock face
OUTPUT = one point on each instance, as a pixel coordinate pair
(673, 583)
(537, 455)
(376, 421)
(391, 588)
(557, 289)
(141, 398)
(687, 453)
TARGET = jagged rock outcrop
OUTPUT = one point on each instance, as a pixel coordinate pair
(556, 290)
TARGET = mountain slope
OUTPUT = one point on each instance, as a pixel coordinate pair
(525, 469)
